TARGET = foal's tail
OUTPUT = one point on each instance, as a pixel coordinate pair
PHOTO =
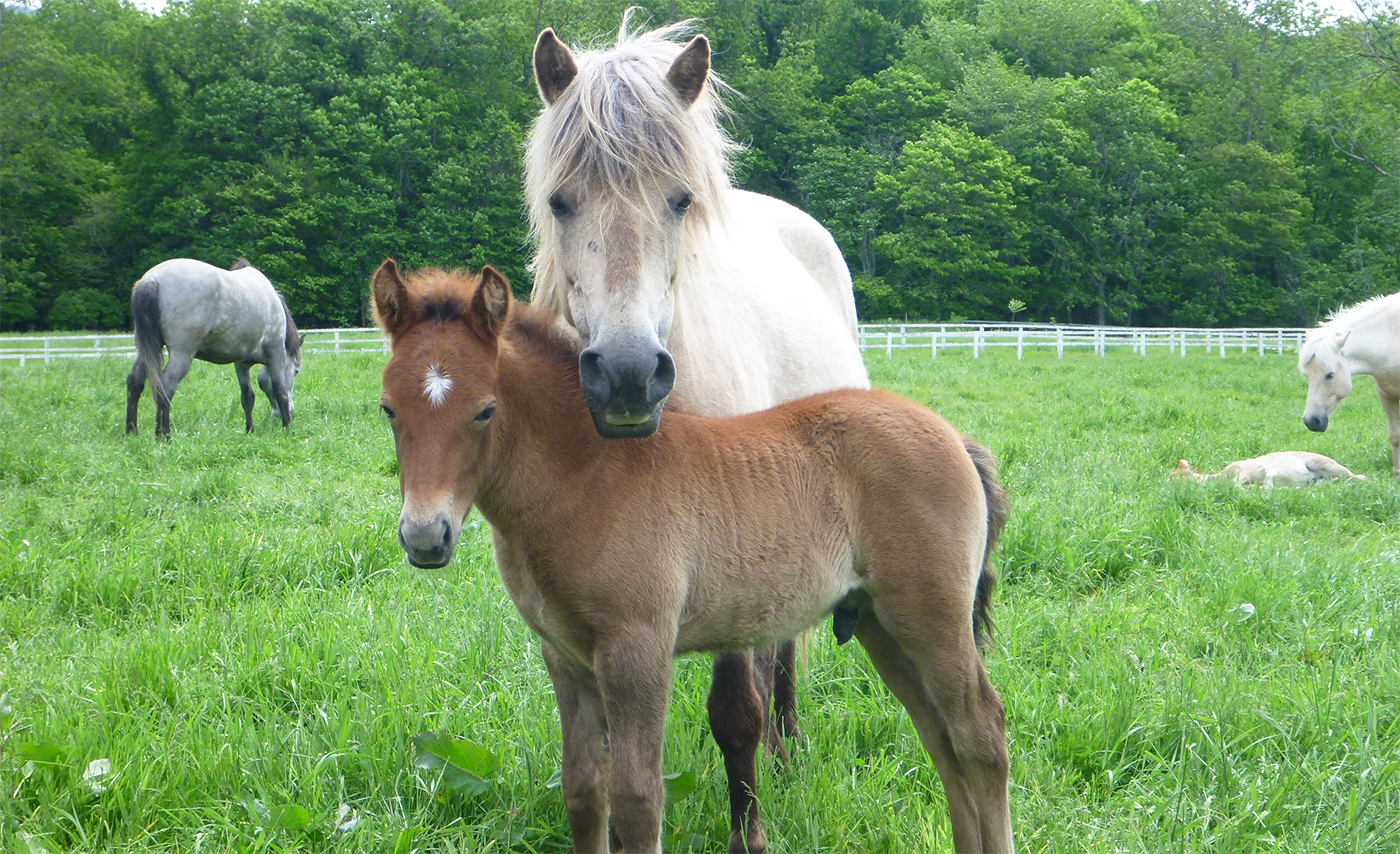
(145, 315)
(996, 520)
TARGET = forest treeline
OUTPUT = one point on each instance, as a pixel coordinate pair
(1197, 162)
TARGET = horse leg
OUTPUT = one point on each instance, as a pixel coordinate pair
(785, 693)
(245, 393)
(584, 775)
(1391, 407)
(960, 721)
(175, 369)
(634, 676)
(737, 721)
(135, 384)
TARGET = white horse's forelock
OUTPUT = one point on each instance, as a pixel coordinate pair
(622, 128)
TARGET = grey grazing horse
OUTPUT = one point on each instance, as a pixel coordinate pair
(198, 311)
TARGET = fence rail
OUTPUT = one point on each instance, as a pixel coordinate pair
(932, 337)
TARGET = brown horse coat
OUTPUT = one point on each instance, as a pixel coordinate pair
(712, 534)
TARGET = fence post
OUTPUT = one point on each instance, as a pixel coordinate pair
(933, 346)
(1060, 343)
(1222, 343)
(1020, 341)
(46, 351)
(889, 343)
(976, 343)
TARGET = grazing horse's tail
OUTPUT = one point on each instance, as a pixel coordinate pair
(996, 520)
(145, 315)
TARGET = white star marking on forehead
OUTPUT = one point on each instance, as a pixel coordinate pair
(436, 385)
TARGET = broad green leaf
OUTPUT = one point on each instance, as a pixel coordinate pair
(465, 765)
(679, 786)
(44, 753)
(291, 817)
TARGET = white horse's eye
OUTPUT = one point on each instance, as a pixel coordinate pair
(682, 204)
(1329, 376)
(558, 206)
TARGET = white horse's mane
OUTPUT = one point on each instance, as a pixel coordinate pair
(622, 127)
(1344, 318)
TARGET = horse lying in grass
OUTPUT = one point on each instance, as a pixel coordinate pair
(1295, 468)
(198, 311)
(711, 534)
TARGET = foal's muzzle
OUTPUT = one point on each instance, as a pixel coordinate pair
(429, 543)
(626, 389)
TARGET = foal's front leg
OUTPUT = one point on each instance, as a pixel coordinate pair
(584, 775)
(634, 676)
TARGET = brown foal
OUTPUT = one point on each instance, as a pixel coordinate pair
(713, 534)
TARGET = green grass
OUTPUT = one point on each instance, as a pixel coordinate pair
(229, 621)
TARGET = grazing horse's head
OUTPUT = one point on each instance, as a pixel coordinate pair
(1329, 377)
(626, 164)
(439, 395)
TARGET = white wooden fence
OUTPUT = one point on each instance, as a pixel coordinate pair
(978, 337)
(930, 337)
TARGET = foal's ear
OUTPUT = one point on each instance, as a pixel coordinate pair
(555, 68)
(490, 304)
(389, 297)
(690, 70)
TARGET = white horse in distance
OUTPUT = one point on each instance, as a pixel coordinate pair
(1362, 339)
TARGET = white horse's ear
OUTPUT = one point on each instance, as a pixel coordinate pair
(690, 70)
(1341, 341)
(1310, 360)
(555, 68)
(490, 304)
(389, 297)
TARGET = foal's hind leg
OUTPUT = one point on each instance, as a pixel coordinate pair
(245, 393)
(960, 721)
(135, 385)
(737, 721)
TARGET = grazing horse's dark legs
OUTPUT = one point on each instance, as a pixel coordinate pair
(175, 369)
(737, 719)
(245, 393)
(135, 384)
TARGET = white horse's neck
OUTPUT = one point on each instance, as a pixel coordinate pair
(1371, 347)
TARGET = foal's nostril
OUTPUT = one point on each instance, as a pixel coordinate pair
(446, 535)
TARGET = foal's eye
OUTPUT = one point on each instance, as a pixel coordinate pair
(682, 204)
(485, 414)
(558, 206)
(388, 413)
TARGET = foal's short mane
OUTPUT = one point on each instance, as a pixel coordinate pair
(621, 127)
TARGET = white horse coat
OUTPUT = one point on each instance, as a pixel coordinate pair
(1362, 339)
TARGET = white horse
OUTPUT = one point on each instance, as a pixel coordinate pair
(676, 281)
(1362, 339)
(1294, 468)
(198, 311)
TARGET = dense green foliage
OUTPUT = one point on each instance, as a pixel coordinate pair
(228, 621)
(1176, 161)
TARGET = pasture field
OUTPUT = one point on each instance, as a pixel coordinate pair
(215, 644)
